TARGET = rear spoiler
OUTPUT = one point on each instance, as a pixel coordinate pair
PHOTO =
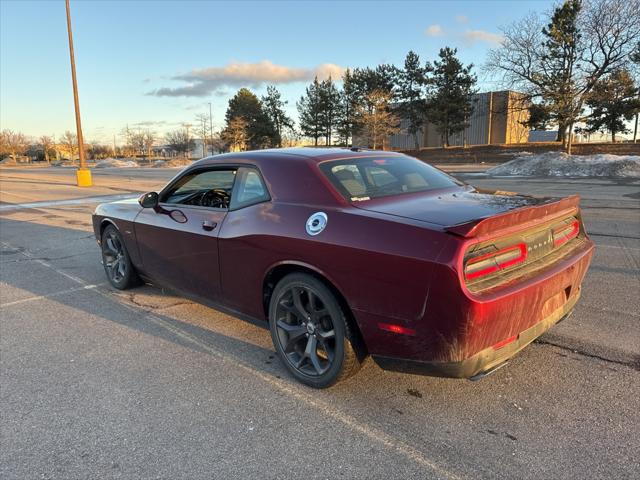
(517, 218)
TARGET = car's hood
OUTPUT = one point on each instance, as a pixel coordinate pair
(449, 208)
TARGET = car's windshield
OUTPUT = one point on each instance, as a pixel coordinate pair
(366, 178)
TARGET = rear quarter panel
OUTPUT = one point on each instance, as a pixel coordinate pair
(379, 266)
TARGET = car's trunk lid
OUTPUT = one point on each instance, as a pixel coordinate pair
(466, 212)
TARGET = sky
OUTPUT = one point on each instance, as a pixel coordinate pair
(157, 64)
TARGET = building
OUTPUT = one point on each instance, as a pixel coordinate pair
(497, 118)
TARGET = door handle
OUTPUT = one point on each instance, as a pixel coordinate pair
(208, 225)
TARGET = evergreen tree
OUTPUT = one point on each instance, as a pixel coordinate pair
(329, 108)
(260, 131)
(346, 122)
(310, 112)
(411, 94)
(274, 109)
(613, 101)
(560, 57)
(450, 106)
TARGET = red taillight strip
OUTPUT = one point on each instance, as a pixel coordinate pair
(497, 266)
(396, 329)
(575, 229)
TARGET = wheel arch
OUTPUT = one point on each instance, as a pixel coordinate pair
(104, 223)
(279, 271)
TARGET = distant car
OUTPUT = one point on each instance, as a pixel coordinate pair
(350, 253)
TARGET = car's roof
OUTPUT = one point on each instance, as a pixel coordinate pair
(296, 154)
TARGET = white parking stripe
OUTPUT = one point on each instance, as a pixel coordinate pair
(73, 201)
(50, 295)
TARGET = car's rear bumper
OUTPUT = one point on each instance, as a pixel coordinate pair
(483, 362)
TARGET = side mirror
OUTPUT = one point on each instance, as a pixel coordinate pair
(149, 200)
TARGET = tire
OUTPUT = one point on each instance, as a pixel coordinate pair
(115, 259)
(310, 332)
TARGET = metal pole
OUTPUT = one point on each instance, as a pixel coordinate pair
(83, 174)
(210, 128)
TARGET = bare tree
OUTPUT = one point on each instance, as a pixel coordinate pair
(236, 135)
(377, 120)
(559, 65)
(180, 140)
(12, 144)
(203, 130)
(69, 142)
(45, 142)
(148, 141)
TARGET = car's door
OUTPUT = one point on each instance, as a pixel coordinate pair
(178, 240)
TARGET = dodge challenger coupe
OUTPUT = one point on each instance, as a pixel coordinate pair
(349, 253)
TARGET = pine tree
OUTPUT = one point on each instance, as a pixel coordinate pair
(274, 109)
(450, 106)
(613, 101)
(260, 131)
(560, 57)
(329, 108)
(411, 94)
(310, 112)
(346, 122)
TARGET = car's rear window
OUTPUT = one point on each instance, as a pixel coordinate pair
(366, 178)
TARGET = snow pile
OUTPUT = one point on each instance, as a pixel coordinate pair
(559, 164)
(115, 163)
(172, 163)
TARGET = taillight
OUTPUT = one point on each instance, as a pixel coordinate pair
(563, 234)
(494, 261)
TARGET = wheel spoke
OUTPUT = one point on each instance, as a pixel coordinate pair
(311, 353)
(116, 243)
(110, 246)
(121, 266)
(327, 335)
(294, 333)
(289, 308)
(297, 302)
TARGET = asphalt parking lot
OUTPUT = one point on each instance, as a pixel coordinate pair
(97, 383)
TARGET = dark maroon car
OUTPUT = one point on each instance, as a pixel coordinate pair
(351, 253)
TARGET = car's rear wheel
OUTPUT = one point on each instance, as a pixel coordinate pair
(116, 261)
(310, 331)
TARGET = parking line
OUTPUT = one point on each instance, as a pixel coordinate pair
(351, 422)
(50, 295)
(72, 201)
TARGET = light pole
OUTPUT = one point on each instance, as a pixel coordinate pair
(83, 174)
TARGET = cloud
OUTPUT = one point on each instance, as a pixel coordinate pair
(202, 82)
(150, 123)
(462, 19)
(472, 37)
(434, 30)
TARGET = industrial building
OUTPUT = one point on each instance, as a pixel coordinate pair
(497, 118)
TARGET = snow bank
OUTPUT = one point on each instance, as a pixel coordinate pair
(559, 164)
(112, 162)
(172, 163)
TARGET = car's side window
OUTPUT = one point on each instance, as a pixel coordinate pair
(203, 188)
(249, 188)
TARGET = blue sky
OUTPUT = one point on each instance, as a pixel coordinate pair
(129, 53)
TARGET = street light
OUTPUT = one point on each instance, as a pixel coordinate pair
(83, 174)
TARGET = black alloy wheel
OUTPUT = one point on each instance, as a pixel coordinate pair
(310, 331)
(117, 265)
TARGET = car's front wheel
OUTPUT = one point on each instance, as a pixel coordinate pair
(310, 331)
(116, 261)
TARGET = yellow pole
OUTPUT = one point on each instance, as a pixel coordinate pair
(83, 174)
